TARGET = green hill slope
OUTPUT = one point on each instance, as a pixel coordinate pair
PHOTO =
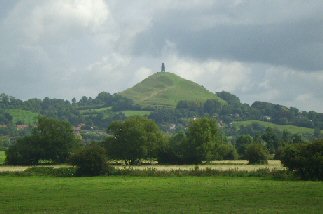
(290, 128)
(167, 89)
(26, 117)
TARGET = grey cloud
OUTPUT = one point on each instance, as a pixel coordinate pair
(295, 41)
(253, 48)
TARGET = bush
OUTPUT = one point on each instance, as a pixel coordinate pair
(256, 153)
(305, 159)
(90, 161)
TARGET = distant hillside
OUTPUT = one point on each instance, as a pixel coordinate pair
(24, 117)
(167, 89)
(290, 128)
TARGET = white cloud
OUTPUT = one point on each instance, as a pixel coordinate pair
(37, 21)
(216, 75)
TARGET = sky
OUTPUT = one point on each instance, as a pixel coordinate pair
(269, 51)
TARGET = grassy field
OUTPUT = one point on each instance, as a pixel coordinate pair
(95, 110)
(167, 89)
(136, 113)
(290, 128)
(106, 111)
(158, 195)
(26, 117)
(2, 157)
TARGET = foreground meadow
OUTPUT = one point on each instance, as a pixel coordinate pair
(158, 195)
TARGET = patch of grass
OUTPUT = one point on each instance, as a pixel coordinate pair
(167, 89)
(289, 128)
(106, 111)
(158, 195)
(2, 157)
(136, 113)
(96, 110)
(26, 117)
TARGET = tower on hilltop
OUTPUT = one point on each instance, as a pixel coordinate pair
(163, 68)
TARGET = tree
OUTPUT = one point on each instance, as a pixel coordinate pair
(256, 153)
(242, 142)
(225, 151)
(133, 139)
(172, 151)
(52, 140)
(272, 140)
(202, 141)
(203, 136)
(212, 106)
(90, 160)
(58, 138)
(305, 159)
(26, 151)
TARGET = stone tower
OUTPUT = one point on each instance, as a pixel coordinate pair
(163, 68)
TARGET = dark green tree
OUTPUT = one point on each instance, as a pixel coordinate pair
(305, 159)
(90, 160)
(242, 142)
(58, 138)
(133, 139)
(52, 140)
(256, 153)
(203, 136)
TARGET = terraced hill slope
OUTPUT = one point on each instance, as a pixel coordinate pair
(167, 89)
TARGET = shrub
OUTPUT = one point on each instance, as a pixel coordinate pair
(90, 161)
(256, 153)
(305, 159)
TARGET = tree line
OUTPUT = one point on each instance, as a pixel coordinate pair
(139, 138)
(229, 112)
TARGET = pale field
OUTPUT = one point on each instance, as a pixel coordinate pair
(6, 168)
(238, 165)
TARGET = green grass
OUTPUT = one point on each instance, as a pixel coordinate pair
(136, 113)
(167, 89)
(158, 195)
(96, 110)
(26, 117)
(105, 110)
(2, 157)
(290, 128)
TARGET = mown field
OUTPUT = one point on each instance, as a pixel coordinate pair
(290, 128)
(136, 113)
(158, 195)
(237, 165)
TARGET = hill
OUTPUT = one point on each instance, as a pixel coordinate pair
(167, 89)
(290, 128)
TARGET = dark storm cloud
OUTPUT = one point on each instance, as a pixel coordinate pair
(294, 40)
